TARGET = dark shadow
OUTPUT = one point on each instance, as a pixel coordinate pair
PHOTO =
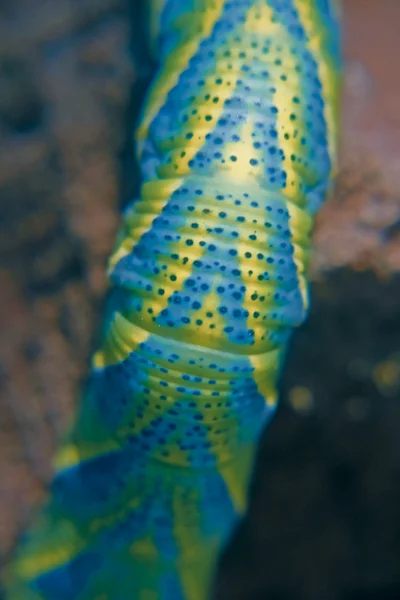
(324, 518)
(130, 175)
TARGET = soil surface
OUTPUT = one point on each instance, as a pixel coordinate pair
(325, 514)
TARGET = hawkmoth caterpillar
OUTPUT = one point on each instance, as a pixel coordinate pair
(209, 276)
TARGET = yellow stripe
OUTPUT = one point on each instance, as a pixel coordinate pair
(154, 10)
(236, 475)
(123, 337)
(139, 218)
(145, 548)
(260, 20)
(242, 169)
(290, 131)
(300, 225)
(71, 455)
(266, 368)
(315, 29)
(176, 61)
(209, 108)
(62, 545)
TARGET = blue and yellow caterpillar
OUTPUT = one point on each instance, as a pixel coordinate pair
(209, 276)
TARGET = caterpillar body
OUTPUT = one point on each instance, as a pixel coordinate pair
(236, 148)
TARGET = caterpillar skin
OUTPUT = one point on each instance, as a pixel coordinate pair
(236, 147)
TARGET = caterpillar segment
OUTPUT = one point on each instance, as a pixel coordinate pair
(208, 278)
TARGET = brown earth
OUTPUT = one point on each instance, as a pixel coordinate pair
(325, 517)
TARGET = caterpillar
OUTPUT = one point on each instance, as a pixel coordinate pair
(236, 146)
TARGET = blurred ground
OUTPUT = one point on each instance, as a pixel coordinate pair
(325, 519)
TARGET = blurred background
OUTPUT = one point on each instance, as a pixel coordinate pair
(325, 515)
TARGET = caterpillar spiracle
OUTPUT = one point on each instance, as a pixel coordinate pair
(208, 278)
